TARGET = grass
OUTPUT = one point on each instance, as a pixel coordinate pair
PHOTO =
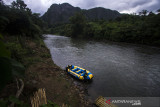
(45, 55)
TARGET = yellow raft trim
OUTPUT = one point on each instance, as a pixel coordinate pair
(79, 76)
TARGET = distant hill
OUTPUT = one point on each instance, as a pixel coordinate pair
(101, 13)
(60, 13)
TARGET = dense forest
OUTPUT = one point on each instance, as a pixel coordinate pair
(142, 28)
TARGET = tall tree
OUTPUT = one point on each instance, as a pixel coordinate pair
(19, 4)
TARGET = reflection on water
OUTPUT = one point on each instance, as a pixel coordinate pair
(119, 69)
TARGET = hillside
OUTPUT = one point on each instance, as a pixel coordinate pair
(101, 13)
(60, 13)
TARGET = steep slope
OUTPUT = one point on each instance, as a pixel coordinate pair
(60, 13)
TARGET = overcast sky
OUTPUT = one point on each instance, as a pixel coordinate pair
(123, 6)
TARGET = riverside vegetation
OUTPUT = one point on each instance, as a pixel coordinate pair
(23, 53)
(111, 25)
(24, 56)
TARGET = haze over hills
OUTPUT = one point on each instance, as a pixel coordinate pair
(60, 13)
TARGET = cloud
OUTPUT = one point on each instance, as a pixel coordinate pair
(137, 6)
(123, 6)
(7, 1)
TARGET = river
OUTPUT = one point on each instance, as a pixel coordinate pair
(119, 69)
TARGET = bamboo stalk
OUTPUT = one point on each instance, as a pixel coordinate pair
(39, 98)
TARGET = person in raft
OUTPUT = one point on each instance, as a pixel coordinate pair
(70, 66)
(85, 75)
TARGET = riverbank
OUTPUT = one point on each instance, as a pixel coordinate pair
(41, 72)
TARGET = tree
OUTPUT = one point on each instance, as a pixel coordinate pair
(1, 2)
(158, 11)
(17, 19)
(19, 24)
(3, 23)
(78, 22)
(19, 4)
(143, 12)
(151, 13)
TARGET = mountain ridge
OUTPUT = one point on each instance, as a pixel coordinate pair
(60, 13)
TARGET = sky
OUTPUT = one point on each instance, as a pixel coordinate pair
(122, 6)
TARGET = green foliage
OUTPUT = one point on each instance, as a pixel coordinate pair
(17, 51)
(17, 69)
(19, 4)
(6, 71)
(20, 23)
(141, 29)
(3, 103)
(12, 99)
(9, 68)
(77, 24)
(89, 30)
(18, 19)
(5, 65)
(17, 102)
(45, 55)
(3, 22)
(4, 52)
(1, 37)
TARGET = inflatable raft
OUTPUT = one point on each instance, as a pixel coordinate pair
(79, 73)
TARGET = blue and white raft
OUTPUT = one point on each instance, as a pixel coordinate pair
(79, 73)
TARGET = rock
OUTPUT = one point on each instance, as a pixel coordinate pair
(28, 82)
(62, 73)
(81, 95)
(82, 92)
(81, 88)
(75, 83)
(34, 81)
